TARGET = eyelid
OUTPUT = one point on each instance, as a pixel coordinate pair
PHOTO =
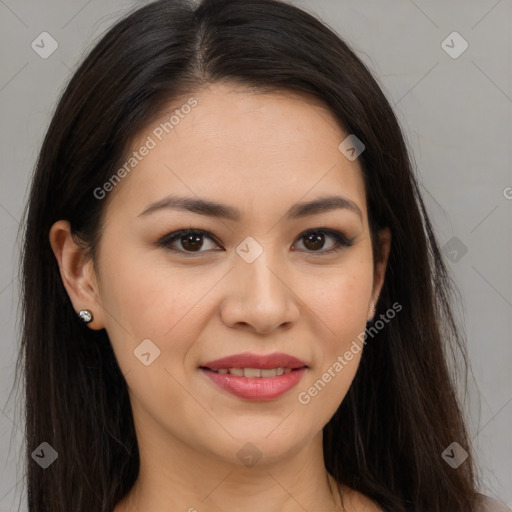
(341, 240)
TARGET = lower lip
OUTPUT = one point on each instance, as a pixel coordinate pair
(256, 388)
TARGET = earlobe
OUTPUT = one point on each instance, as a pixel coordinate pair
(76, 271)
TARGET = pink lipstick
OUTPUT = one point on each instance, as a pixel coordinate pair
(255, 377)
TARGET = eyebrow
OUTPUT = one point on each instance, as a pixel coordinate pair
(215, 209)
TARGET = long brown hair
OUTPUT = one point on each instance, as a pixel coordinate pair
(401, 412)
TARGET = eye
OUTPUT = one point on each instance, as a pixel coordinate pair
(314, 240)
(190, 240)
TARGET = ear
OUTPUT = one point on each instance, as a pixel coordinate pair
(384, 240)
(77, 272)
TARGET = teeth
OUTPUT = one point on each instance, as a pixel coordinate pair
(254, 372)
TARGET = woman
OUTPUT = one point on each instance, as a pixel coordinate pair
(233, 296)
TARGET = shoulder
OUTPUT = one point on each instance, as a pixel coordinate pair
(487, 504)
(354, 501)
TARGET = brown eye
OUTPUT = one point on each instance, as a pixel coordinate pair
(314, 240)
(190, 240)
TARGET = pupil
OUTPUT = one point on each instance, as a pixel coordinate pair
(191, 242)
(314, 241)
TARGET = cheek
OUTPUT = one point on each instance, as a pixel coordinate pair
(163, 304)
(147, 295)
(338, 298)
(157, 301)
(340, 304)
(337, 361)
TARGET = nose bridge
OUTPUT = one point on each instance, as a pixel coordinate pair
(260, 282)
(259, 293)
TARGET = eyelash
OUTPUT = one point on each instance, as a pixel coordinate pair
(340, 239)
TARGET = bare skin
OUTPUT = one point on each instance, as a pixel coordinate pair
(262, 154)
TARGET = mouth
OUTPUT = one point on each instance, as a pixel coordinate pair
(255, 377)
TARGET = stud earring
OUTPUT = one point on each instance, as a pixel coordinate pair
(86, 316)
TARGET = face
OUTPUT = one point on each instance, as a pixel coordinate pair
(268, 276)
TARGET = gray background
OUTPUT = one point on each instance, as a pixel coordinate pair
(456, 115)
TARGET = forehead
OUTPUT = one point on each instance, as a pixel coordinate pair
(242, 146)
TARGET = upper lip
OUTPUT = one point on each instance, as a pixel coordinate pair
(248, 360)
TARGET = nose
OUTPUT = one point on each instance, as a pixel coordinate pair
(260, 297)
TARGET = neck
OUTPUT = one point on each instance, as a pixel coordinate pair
(297, 483)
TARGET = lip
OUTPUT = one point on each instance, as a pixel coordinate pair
(249, 360)
(260, 389)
